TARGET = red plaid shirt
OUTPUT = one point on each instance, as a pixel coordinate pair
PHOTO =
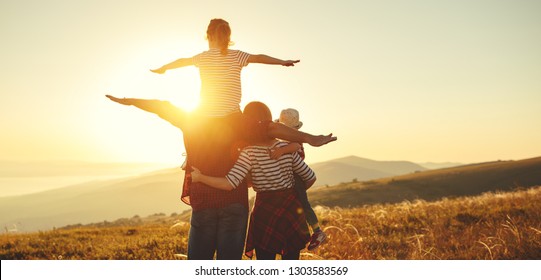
(213, 145)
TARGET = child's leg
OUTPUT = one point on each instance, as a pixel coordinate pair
(311, 217)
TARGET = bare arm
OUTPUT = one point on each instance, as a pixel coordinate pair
(220, 183)
(281, 131)
(181, 62)
(265, 59)
(289, 149)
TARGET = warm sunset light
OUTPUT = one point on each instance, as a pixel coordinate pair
(319, 134)
(446, 82)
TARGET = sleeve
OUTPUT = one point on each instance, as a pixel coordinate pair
(240, 169)
(196, 59)
(301, 168)
(243, 58)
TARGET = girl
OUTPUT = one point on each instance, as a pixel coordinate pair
(276, 225)
(219, 69)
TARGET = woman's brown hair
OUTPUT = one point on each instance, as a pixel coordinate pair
(256, 111)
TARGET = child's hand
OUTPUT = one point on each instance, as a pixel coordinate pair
(276, 153)
(290, 62)
(196, 173)
(122, 101)
(158, 71)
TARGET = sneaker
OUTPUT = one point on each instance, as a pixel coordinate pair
(317, 239)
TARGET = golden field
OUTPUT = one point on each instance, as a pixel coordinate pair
(502, 225)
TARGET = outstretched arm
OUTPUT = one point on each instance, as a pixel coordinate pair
(216, 182)
(181, 62)
(281, 131)
(265, 59)
(164, 109)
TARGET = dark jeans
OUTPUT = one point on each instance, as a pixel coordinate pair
(262, 254)
(300, 188)
(220, 230)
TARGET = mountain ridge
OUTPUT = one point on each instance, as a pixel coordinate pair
(159, 191)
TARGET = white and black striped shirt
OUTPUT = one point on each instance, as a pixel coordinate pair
(220, 81)
(268, 174)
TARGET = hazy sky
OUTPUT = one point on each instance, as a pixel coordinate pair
(394, 80)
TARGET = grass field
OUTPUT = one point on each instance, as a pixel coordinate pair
(489, 226)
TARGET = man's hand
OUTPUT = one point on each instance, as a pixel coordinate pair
(290, 62)
(196, 173)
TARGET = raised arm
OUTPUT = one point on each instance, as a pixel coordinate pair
(265, 59)
(181, 62)
(216, 182)
(281, 131)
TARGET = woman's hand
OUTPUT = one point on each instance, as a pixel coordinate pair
(196, 174)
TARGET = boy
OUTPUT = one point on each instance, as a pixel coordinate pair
(290, 117)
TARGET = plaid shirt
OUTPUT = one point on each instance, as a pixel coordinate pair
(276, 225)
(213, 145)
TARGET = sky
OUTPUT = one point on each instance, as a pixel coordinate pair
(416, 80)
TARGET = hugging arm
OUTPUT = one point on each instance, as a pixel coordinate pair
(216, 182)
(289, 149)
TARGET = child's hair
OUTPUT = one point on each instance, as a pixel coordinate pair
(219, 31)
(257, 111)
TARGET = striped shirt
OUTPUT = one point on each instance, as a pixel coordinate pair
(220, 81)
(268, 174)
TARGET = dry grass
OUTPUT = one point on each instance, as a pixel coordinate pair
(489, 226)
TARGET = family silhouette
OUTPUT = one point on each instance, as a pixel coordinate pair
(220, 142)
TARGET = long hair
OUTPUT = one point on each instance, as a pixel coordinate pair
(219, 31)
(256, 111)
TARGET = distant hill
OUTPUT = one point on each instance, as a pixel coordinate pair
(439, 165)
(157, 192)
(349, 168)
(432, 185)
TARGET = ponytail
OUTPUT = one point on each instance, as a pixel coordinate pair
(220, 32)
